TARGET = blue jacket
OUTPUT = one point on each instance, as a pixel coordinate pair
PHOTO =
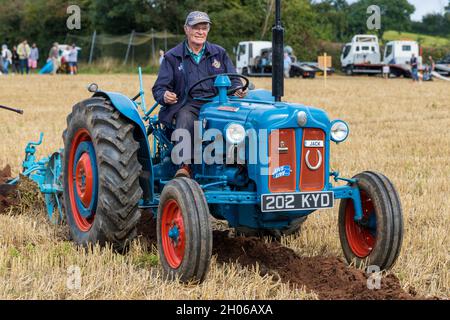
(178, 72)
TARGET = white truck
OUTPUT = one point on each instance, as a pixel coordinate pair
(254, 58)
(362, 56)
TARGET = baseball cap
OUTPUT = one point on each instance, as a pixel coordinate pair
(197, 17)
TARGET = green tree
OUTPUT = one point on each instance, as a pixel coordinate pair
(333, 16)
(395, 15)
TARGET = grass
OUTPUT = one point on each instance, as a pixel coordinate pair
(397, 127)
(424, 40)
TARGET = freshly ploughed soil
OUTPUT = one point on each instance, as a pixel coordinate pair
(8, 196)
(329, 277)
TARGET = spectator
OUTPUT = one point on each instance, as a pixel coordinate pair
(7, 58)
(414, 68)
(1, 64)
(15, 60)
(54, 57)
(287, 64)
(73, 59)
(386, 71)
(34, 57)
(432, 64)
(24, 51)
(161, 56)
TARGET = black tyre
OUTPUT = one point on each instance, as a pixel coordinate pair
(349, 71)
(377, 239)
(184, 231)
(101, 175)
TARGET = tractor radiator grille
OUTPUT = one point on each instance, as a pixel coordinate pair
(312, 176)
(282, 161)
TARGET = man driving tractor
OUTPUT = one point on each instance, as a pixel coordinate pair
(183, 66)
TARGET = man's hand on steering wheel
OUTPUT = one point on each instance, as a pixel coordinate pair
(241, 93)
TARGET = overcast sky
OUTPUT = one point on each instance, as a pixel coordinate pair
(423, 7)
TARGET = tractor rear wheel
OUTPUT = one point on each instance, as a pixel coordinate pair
(101, 175)
(184, 231)
(377, 239)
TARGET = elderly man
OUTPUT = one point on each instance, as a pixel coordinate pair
(190, 61)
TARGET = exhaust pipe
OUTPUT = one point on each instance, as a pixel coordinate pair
(278, 55)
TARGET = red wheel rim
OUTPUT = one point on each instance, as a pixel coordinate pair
(82, 181)
(173, 234)
(360, 238)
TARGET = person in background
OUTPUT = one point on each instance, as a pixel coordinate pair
(73, 59)
(15, 61)
(65, 59)
(414, 68)
(287, 64)
(1, 65)
(7, 58)
(432, 64)
(386, 71)
(54, 56)
(24, 51)
(161, 56)
(34, 57)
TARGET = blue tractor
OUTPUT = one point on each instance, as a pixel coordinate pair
(117, 161)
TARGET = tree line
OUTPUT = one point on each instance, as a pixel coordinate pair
(307, 22)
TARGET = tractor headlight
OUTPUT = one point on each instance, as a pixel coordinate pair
(302, 118)
(339, 131)
(235, 133)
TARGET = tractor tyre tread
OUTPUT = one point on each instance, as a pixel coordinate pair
(198, 247)
(117, 213)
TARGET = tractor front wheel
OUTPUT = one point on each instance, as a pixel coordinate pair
(184, 231)
(101, 175)
(377, 239)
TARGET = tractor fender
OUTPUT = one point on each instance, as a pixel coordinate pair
(128, 109)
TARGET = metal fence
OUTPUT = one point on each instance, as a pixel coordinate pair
(129, 49)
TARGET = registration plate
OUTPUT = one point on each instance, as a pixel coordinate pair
(297, 201)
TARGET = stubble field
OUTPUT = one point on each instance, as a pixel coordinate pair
(397, 127)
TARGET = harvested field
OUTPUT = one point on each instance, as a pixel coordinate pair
(397, 127)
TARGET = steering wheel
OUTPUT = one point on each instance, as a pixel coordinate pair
(230, 92)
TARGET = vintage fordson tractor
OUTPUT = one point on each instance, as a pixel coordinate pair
(110, 169)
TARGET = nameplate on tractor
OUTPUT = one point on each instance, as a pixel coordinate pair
(297, 201)
(314, 144)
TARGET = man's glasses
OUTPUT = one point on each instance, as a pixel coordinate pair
(201, 28)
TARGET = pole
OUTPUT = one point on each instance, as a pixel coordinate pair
(325, 67)
(153, 46)
(277, 57)
(94, 37)
(165, 40)
(129, 46)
